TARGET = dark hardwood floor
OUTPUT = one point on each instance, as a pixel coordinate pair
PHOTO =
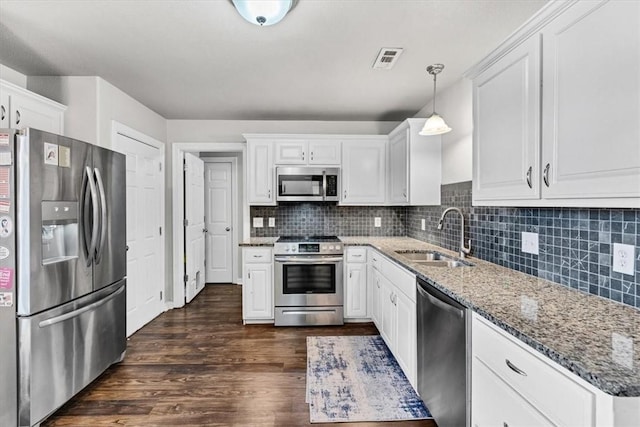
(200, 366)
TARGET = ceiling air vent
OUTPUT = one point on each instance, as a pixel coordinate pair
(387, 57)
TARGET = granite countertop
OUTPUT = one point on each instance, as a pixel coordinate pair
(259, 241)
(595, 338)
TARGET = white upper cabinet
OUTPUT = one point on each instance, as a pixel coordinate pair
(260, 172)
(591, 102)
(364, 171)
(414, 174)
(506, 139)
(307, 152)
(588, 151)
(20, 108)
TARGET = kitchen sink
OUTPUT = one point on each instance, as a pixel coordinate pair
(433, 259)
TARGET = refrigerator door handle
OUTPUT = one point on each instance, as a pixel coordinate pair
(94, 206)
(103, 216)
(79, 311)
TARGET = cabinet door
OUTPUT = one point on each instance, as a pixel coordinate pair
(257, 291)
(324, 152)
(363, 172)
(398, 168)
(591, 96)
(293, 152)
(356, 291)
(388, 313)
(376, 298)
(260, 174)
(406, 338)
(506, 116)
(494, 403)
(28, 110)
(4, 108)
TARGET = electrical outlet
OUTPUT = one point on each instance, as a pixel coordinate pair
(272, 222)
(530, 243)
(377, 222)
(258, 222)
(624, 258)
(423, 224)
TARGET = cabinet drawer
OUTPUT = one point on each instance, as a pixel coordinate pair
(401, 278)
(257, 255)
(357, 254)
(541, 382)
(496, 404)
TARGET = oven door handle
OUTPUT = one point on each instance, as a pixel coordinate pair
(308, 260)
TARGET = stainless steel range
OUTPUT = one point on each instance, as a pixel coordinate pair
(308, 281)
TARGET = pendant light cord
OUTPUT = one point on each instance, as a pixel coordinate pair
(434, 93)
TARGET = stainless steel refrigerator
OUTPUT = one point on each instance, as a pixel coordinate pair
(62, 270)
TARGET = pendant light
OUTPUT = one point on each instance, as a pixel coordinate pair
(263, 12)
(435, 125)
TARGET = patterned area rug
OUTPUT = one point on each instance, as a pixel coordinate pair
(351, 379)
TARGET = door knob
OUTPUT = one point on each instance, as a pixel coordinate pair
(228, 229)
(204, 230)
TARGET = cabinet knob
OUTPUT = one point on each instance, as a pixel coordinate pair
(312, 155)
(228, 229)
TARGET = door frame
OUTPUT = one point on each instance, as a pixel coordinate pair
(118, 128)
(234, 209)
(177, 181)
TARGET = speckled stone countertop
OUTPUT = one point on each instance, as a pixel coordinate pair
(259, 241)
(595, 338)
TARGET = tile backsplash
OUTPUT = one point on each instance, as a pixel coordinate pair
(575, 245)
(324, 219)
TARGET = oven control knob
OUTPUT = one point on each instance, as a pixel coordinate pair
(331, 247)
(293, 248)
(286, 248)
(337, 247)
(324, 247)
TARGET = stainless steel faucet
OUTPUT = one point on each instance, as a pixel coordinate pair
(464, 250)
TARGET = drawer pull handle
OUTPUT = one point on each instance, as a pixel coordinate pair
(356, 255)
(515, 369)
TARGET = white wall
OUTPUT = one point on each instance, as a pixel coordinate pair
(93, 103)
(12, 76)
(455, 105)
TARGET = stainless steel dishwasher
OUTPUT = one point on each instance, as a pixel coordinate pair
(442, 356)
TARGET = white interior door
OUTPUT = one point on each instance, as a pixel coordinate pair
(194, 231)
(219, 220)
(145, 257)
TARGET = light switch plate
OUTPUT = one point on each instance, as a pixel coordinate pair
(258, 222)
(624, 258)
(530, 243)
(377, 222)
(272, 222)
(423, 224)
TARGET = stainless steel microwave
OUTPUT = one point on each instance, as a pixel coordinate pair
(308, 184)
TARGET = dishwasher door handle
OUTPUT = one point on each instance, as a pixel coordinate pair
(438, 303)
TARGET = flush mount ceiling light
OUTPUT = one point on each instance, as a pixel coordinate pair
(263, 12)
(435, 124)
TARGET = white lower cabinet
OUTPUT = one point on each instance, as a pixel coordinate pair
(512, 385)
(497, 404)
(394, 311)
(355, 284)
(257, 286)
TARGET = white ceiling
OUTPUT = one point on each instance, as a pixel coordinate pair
(201, 60)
